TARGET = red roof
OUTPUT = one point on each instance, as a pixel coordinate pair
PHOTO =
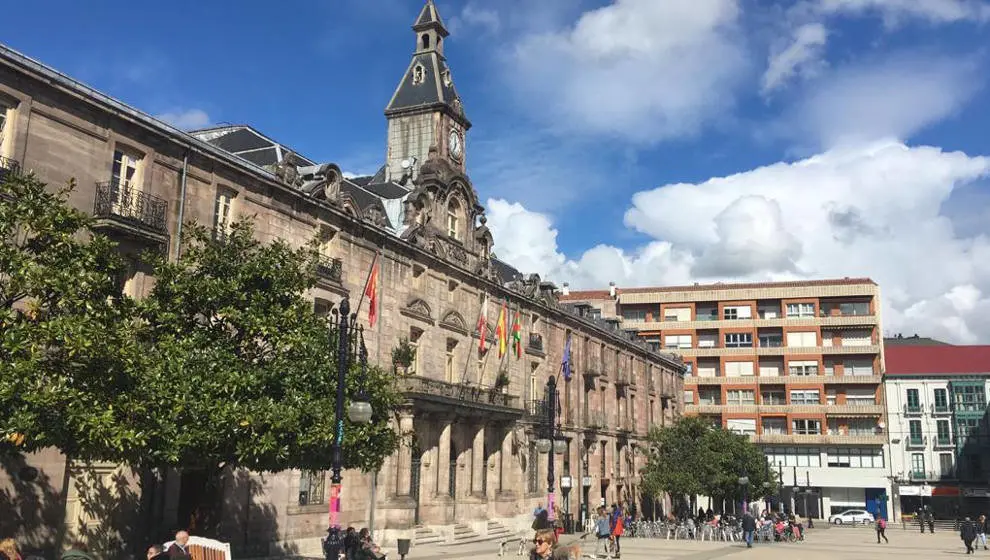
(937, 360)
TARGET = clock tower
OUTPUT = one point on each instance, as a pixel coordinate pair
(425, 111)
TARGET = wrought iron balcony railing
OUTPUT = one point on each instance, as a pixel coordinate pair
(941, 409)
(330, 268)
(912, 409)
(457, 391)
(9, 167)
(536, 342)
(121, 201)
(916, 441)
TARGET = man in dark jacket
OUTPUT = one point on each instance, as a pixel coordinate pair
(179, 550)
(748, 527)
(968, 534)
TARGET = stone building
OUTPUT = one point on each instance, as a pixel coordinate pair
(472, 467)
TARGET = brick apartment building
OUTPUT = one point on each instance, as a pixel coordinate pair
(795, 365)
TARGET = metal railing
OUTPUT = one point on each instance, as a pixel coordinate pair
(330, 268)
(125, 202)
(536, 341)
(912, 409)
(941, 409)
(9, 167)
(458, 391)
(916, 441)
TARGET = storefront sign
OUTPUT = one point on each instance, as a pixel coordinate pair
(976, 492)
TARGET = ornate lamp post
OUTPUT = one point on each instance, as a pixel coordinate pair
(552, 441)
(359, 412)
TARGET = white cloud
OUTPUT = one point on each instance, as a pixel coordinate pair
(188, 119)
(474, 16)
(892, 97)
(871, 209)
(802, 56)
(894, 11)
(640, 70)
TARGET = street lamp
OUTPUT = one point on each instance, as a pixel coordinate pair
(744, 482)
(359, 412)
(552, 443)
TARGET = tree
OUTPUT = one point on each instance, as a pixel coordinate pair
(242, 370)
(65, 347)
(691, 457)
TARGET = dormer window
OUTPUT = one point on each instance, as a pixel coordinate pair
(419, 74)
(453, 219)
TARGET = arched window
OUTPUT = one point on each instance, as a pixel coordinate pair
(426, 41)
(453, 218)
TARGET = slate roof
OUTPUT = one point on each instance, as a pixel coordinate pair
(249, 144)
(506, 272)
(429, 17)
(435, 89)
(937, 360)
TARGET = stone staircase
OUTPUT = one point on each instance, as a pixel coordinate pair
(464, 534)
(425, 535)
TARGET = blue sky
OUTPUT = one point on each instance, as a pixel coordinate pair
(636, 141)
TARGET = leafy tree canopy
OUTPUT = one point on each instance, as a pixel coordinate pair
(223, 363)
(691, 457)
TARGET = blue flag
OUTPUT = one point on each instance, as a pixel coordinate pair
(566, 362)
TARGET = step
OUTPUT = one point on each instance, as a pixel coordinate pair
(424, 536)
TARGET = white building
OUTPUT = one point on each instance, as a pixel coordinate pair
(936, 399)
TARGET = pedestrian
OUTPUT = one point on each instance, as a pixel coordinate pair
(881, 529)
(981, 530)
(78, 551)
(968, 534)
(618, 528)
(748, 526)
(9, 550)
(179, 549)
(603, 532)
(156, 552)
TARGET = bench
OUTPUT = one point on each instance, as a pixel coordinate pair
(201, 548)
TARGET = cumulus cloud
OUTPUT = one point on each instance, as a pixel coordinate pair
(802, 56)
(871, 209)
(186, 119)
(640, 70)
(893, 96)
(895, 11)
(472, 15)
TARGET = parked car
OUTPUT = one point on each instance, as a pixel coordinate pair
(851, 516)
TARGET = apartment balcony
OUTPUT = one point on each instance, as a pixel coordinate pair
(593, 368)
(944, 442)
(535, 345)
(536, 410)
(828, 409)
(330, 270)
(921, 475)
(784, 379)
(433, 395)
(125, 209)
(622, 377)
(778, 351)
(9, 168)
(941, 410)
(913, 410)
(594, 420)
(820, 439)
(915, 442)
(716, 322)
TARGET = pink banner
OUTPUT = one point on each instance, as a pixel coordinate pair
(335, 505)
(550, 506)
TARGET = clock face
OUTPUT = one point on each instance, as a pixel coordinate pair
(455, 144)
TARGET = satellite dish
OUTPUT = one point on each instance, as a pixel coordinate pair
(406, 164)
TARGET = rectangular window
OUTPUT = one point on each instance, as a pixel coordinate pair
(970, 398)
(737, 312)
(124, 171)
(855, 457)
(653, 342)
(775, 426)
(740, 396)
(677, 314)
(744, 426)
(945, 464)
(807, 427)
(634, 315)
(312, 485)
(533, 470)
(807, 367)
(707, 340)
(965, 426)
(707, 370)
(856, 309)
(830, 397)
(915, 432)
(770, 369)
(857, 367)
(917, 465)
(677, 341)
(861, 426)
(941, 400)
(223, 213)
(944, 432)
(858, 396)
(793, 457)
(688, 396)
(913, 400)
(771, 340)
(771, 397)
(709, 396)
(738, 340)
(739, 369)
(800, 310)
(805, 396)
(856, 338)
(802, 339)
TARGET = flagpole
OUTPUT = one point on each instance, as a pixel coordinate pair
(368, 277)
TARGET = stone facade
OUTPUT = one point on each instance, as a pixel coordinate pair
(472, 458)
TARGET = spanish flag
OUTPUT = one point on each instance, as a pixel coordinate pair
(502, 330)
(371, 292)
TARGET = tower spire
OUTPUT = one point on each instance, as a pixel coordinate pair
(430, 30)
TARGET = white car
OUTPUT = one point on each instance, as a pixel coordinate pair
(851, 516)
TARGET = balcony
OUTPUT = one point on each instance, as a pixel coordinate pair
(912, 410)
(594, 420)
(330, 270)
(9, 168)
(651, 386)
(941, 409)
(943, 441)
(433, 395)
(126, 209)
(919, 475)
(593, 367)
(622, 377)
(842, 410)
(785, 379)
(821, 439)
(778, 351)
(535, 345)
(915, 441)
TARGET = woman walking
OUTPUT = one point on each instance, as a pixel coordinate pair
(882, 529)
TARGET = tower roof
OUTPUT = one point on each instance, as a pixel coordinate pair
(429, 18)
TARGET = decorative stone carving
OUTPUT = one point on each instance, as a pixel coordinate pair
(331, 187)
(454, 320)
(287, 172)
(419, 309)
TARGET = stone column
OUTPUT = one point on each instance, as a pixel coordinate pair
(504, 456)
(443, 458)
(478, 462)
(404, 459)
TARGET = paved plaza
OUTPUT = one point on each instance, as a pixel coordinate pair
(827, 543)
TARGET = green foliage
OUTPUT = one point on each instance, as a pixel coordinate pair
(225, 363)
(243, 370)
(691, 457)
(403, 354)
(66, 353)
